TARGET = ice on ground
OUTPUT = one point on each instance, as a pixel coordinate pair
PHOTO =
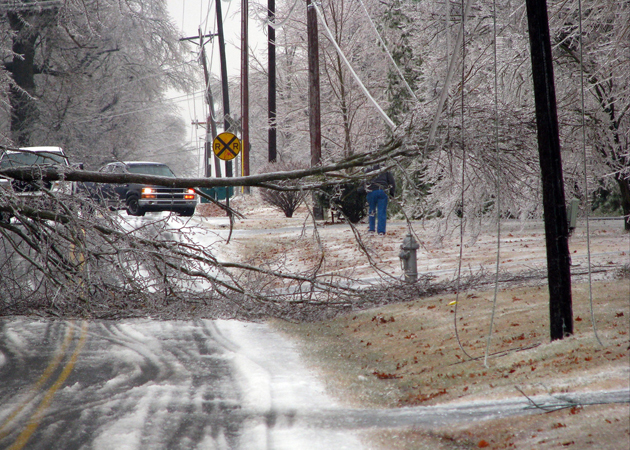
(276, 382)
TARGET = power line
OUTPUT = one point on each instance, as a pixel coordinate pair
(449, 77)
(383, 114)
(127, 113)
(276, 25)
(391, 58)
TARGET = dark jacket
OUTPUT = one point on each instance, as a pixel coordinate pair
(384, 181)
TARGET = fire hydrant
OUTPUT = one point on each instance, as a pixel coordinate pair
(408, 258)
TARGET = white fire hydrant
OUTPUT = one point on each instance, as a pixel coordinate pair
(408, 258)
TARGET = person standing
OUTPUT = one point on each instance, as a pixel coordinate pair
(378, 188)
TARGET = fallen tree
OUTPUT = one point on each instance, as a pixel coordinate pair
(62, 253)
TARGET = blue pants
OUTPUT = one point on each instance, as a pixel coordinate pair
(377, 209)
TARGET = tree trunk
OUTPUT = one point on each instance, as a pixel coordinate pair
(624, 188)
(22, 68)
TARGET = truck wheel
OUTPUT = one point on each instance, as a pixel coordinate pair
(133, 206)
(187, 212)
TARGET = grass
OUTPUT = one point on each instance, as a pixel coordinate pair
(409, 354)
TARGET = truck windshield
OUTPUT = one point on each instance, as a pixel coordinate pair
(30, 158)
(151, 169)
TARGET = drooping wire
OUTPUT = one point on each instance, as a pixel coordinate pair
(391, 58)
(449, 76)
(278, 25)
(463, 181)
(586, 201)
(382, 113)
(497, 182)
(205, 24)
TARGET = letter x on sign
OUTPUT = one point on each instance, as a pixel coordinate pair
(226, 146)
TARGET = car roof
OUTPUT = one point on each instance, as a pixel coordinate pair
(143, 163)
(38, 149)
(137, 163)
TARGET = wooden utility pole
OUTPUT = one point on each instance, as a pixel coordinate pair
(556, 226)
(211, 126)
(271, 93)
(245, 91)
(314, 117)
(224, 83)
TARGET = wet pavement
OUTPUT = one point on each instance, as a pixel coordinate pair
(144, 384)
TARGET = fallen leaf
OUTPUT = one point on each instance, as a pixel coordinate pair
(385, 376)
(483, 444)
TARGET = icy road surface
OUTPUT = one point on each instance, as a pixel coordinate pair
(143, 384)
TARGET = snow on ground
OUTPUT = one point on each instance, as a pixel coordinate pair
(275, 381)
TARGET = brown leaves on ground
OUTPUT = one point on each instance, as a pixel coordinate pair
(385, 376)
(414, 358)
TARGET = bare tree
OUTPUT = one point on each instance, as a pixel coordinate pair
(349, 124)
(467, 163)
(61, 253)
(287, 200)
(91, 76)
(593, 52)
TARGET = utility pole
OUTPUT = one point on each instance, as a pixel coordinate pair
(224, 85)
(314, 117)
(271, 97)
(245, 91)
(556, 226)
(211, 126)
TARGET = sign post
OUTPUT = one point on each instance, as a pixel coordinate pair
(226, 146)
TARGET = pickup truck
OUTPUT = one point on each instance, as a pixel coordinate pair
(138, 199)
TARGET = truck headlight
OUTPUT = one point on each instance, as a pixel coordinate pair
(148, 192)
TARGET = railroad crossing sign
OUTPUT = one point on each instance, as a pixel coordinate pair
(226, 146)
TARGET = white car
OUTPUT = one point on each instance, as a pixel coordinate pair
(33, 157)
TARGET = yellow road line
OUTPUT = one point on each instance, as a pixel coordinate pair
(52, 366)
(36, 418)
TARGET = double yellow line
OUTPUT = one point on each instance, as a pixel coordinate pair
(37, 416)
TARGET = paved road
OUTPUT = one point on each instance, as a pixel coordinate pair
(144, 384)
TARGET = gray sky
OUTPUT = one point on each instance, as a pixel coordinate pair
(188, 16)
